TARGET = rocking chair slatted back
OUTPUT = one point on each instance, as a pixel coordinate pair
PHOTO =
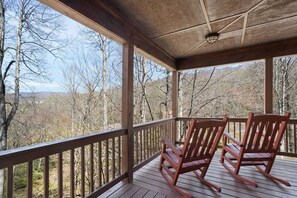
(264, 132)
(202, 139)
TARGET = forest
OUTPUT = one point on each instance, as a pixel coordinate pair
(91, 67)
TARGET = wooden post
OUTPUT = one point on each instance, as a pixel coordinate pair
(268, 86)
(127, 110)
(174, 103)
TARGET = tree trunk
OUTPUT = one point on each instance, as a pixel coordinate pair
(104, 88)
(181, 125)
(143, 95)
(4, 120)
(167, 93)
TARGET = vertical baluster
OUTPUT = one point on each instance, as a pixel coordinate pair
(136, 149)
(287, 140)
(234, 129)
(82, 171)
(106, 161)
(172, 132)
(60, 174)
(145, 143)
(150, 141)
(113, 158)
(240, 131)
(72, 179)
(141, 145)
(153, 139)
(10, 182)
(156, 138)
(119, 155)
(30, 179)
(228, 125)
(159, 137)
(167, 131)
(99, 164)
(46, 177)
(91, 189)
(295, 144)
(181, 131)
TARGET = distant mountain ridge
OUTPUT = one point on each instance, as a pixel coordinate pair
(42, 94)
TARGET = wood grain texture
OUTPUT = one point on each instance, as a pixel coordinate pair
(127, 110)
(28, 153)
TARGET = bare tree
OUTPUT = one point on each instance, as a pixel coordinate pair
(22, 52)
(284, 82)
(104, 48)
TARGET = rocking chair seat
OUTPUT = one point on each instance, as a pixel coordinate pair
(187, 165)
(234, 150)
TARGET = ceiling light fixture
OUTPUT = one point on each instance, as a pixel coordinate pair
(212, 37)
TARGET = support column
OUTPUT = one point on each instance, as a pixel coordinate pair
(268, 86)
(127, 110)
(174, 103)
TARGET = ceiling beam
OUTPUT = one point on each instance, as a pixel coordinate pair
(261, 51)
(105, 19)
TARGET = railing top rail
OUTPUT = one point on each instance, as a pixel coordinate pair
(152, 123)
(291, 121)
(28, 153)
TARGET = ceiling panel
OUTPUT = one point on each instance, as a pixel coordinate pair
(226, 8)
(272, 10)
(219, 25)
(178, 44)
(155, 17)
(273, 31)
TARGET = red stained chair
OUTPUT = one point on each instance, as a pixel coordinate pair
(196, 154)
(259, 146)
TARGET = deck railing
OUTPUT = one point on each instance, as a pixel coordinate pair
(147, 140)
(236, 126)
(86, 162)
(88, 165)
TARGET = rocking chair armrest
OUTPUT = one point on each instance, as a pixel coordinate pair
(230, 137)
(169, 144)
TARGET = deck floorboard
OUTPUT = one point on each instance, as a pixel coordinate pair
(148, 182)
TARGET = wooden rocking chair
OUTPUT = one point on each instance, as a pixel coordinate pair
(196, 154)
(259, 146)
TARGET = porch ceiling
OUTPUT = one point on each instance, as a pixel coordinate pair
(172, 30)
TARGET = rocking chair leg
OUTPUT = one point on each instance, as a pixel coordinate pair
(244, 180)
(222, 155)
(272, 177)
(161, 162)
(207, 183)
(177, 189)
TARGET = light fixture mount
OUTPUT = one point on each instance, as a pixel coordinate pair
(212, 37)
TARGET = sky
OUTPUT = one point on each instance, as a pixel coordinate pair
(54, 69)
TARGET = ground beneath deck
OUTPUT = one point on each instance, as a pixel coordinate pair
(149, 183)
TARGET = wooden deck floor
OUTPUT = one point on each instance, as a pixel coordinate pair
(149, 183)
